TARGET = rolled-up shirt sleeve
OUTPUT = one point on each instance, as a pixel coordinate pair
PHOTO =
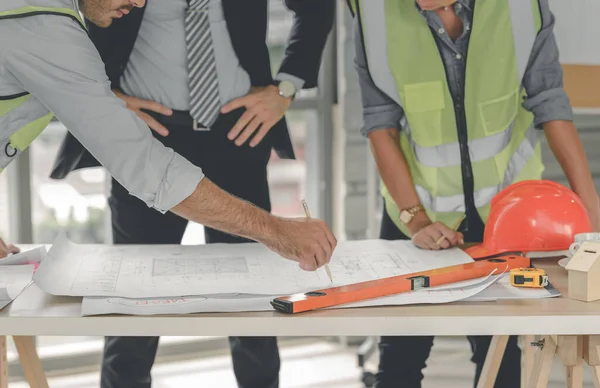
(379, 110)
(59, 66)
(543, 79)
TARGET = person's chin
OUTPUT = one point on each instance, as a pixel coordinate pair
(101, 22)
(106, 22)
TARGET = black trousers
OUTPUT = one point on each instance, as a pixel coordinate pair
(402, 359)
(242, 171)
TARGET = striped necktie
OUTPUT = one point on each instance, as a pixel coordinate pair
(205, 102)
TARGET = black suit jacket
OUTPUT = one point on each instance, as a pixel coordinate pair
(247, 26)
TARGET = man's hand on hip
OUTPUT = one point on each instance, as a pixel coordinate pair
(6, 249)
(264, 108)
(137, 104)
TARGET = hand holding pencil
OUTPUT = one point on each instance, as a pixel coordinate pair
(437, 236)
(307, 213)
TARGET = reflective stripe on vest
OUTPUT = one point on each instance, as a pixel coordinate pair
(14, 110)
(503, 144)
(456, 203)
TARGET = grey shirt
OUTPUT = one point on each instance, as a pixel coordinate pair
(543, 81)
(157, 67)
(52, 58)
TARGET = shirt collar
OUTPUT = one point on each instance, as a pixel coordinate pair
(465, 3)
(76, 6)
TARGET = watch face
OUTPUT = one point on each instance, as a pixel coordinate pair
(287, 89)
(405, 217)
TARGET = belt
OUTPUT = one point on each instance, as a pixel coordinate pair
(178, 118)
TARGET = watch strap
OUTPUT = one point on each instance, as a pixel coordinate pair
(415, 209)
(406, 215)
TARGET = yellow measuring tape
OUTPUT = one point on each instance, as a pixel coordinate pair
(528, 277)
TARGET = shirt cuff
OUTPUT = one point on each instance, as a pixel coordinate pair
(550, 105)
(298, 82)
(179, 182)
(380, 117)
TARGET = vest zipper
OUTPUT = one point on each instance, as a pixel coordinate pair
(466, 168)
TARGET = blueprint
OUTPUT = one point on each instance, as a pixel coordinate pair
(13, 280)
(164, 271)
(228, 303)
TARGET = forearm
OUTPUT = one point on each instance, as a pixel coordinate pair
(213, 207)
(394, 172)
(568, 150)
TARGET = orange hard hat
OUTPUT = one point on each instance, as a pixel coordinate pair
(532, 216)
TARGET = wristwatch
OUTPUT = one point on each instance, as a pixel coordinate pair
(286, 88)
(406, 215)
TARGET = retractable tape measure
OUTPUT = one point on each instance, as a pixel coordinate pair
(319, 299)
(528, 277)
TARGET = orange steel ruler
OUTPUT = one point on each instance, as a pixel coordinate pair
(328, 297)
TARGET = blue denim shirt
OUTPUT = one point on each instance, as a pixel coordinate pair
(543, 79)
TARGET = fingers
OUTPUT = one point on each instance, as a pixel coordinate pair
(330, 239)
(318, 253)
(153, 124)
(430, 241)
(237, 103)
(319, 245)
(327, 249)
(443, 243)
(6, 249)
(13, 249)
(3, 249)
(437, 236)
(448, 233)
(424, 241)
(309, 263)
(262, 132)
(250, 129)
(321, 254)
(155, 107)
(241, 124)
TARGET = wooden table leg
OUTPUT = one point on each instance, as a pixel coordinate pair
(591, 355)
(3, 363)
(492, 361)
(570, 352)
(32, 366)
(543, 365)
(527, 356)
(596, 375)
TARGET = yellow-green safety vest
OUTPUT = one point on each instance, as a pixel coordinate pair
(404, 62)
(23, 132)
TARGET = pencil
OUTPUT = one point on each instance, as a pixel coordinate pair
(439, 241)
(307, 213)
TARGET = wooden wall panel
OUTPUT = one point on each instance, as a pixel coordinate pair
(582, 84)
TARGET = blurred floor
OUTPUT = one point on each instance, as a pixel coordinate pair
(309, 365)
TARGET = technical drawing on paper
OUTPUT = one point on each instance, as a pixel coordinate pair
(194, 267)
(378, 264)
(97, 276)
(175, 270)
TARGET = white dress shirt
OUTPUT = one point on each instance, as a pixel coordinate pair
(53, 59)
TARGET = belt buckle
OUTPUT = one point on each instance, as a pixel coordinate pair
(197, 127)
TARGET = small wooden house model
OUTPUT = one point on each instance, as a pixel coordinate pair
(584, 272)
